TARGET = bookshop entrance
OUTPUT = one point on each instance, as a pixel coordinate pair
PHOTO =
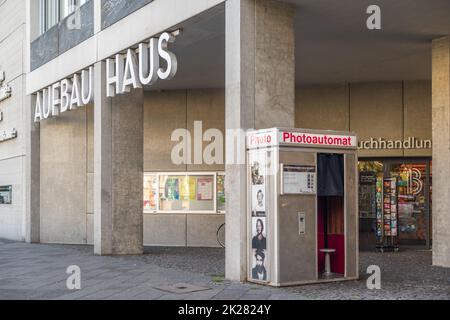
(395, 203)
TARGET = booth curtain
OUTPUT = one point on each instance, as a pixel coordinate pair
(330, 175)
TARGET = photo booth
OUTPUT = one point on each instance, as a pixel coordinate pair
(302, 200)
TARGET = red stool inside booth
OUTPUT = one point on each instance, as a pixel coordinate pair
(331, 242)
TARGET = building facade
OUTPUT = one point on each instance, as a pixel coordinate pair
(116, 164)
(13, 121)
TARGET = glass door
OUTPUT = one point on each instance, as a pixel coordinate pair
(413, 192)
(413, 197)
(370, 172)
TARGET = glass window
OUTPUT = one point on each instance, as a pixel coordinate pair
(49, 14)
(6, 195)
(69, 6)
(53, 11)
(369, 171)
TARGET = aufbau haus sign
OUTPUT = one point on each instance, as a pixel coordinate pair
(387, 144)
(135, 69)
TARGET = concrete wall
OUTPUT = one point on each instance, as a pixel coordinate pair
(67, 149)
(392, 110)
(12, 153)
(62, 37)
(114, 10)
(316, 104)
(64, 178)
(67, 169)
(136, 27)
(417, 113)
(441, 150)
(165, 112)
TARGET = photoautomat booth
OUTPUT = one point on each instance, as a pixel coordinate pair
(302, 200)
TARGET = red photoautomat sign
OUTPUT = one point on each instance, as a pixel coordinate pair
(314, 139)
(262, 139)
(284, 137)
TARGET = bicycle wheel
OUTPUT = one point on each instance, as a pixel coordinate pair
(221, 235)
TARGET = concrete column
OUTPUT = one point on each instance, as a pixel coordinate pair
(118, 170)
(97, 17)
(32, 134)
(441, 150)
(32, 173)
(260, 93)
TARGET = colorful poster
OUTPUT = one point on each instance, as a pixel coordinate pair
(192, 188)
(205, 189)
(188, 188)
(220, 193)
(150, 192)
(172, 191)
(184, 188)
(379, 197)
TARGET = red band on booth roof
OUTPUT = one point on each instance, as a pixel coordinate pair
(318, 139)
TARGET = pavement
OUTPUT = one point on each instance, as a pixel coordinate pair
(38, 271)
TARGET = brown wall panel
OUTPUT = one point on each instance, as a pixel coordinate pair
(164, 112)
(322, 107)
(418, 114)
(376, 110)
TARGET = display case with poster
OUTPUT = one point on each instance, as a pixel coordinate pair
(184, 192)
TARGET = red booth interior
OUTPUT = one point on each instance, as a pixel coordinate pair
(333, 208)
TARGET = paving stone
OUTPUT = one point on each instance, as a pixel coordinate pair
(181, 288)
(230, 294)
(30, 271)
